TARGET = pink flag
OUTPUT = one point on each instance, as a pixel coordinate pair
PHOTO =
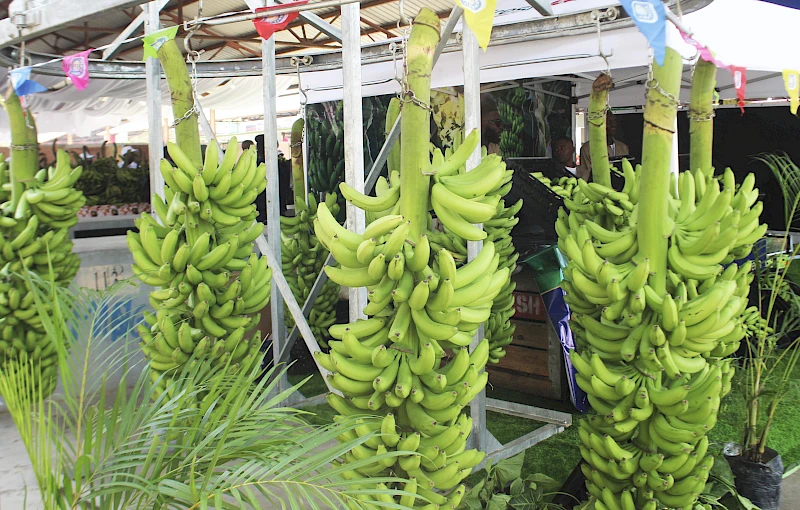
(76, 68)
(268, 25)
(739, 82)
(705, 53)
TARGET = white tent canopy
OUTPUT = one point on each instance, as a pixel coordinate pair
(107, 102)
(749, 33)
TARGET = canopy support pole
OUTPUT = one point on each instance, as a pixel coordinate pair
(153, 85)
(353, 133)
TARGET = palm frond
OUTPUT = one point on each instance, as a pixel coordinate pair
(788, 176)
(215, 439)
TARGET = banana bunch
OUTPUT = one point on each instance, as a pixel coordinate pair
(302, 258)
(563, 186)
(407, 368)
(35, 238)
(653, 365)
(326, 165)
(199, 255)
(509, 108)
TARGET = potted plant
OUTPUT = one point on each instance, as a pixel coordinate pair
(769, 356)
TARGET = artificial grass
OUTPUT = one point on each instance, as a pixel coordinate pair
(558, 455)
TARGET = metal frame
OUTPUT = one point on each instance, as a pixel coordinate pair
(544, 28)
(153, 84)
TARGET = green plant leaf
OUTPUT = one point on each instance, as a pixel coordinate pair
(498, 502)
(543, 481)
(509, 469)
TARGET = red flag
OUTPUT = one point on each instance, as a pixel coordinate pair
(269, 25)
(739, 81)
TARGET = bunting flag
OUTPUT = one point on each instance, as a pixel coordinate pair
(651, 20)
(152, 42)
(23, 85)
(705, 53)
(791, 80)
(739, 82)
(76, 67)
(479, 15)
(270, 24)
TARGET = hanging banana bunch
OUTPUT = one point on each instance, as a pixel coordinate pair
(326, 165)
(657, 301)
(198, 251)
(408, 365)
(37, 210)
(303, 257)
(509, 106)
(499, 330)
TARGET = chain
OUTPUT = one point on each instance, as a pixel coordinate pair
(600, 114)
(697, 117)
(22, 147)
(652, 83)
(406, 94)
(191, 111)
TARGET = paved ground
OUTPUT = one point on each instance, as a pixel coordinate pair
(790, 492)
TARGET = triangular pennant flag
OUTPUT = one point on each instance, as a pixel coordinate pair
(739, 83)
(152, 42)
(270, 24)
(705, 53)
(76, 67)
(23, 85)
(479, 15)
(791, 80)
(649, 17)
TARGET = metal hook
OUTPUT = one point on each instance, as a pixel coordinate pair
(596, 15)
(297, 62)
(403, 18)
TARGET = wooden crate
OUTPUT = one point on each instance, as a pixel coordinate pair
(533, 363)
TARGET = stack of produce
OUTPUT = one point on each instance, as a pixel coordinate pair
(37, 210)
(105, 182)
(657, 301)
(564, 186)
(198, 251)
(408, 364)
(509, 106)
(303, 257)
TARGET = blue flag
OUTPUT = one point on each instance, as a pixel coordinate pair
(792, 4)
(652, 23)
(23, 85)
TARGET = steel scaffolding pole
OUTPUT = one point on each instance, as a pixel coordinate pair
(153, 84)
(353, 133)
(273, 193)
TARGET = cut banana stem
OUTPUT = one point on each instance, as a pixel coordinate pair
(598, 144)
(701, 116)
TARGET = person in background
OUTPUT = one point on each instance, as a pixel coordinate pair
(563, 150)
(616, 148)
(130, 158)
(491, 125)
(246, 144)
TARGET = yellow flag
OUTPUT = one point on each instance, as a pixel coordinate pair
(791, 80)
(479, 15)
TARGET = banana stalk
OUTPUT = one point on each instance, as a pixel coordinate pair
(701, 111)
(187, 132)
(23, 134)
(598, 144)
(659, 128)
(298, 177)
(414, 141)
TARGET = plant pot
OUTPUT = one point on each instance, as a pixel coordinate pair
(760, 482)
